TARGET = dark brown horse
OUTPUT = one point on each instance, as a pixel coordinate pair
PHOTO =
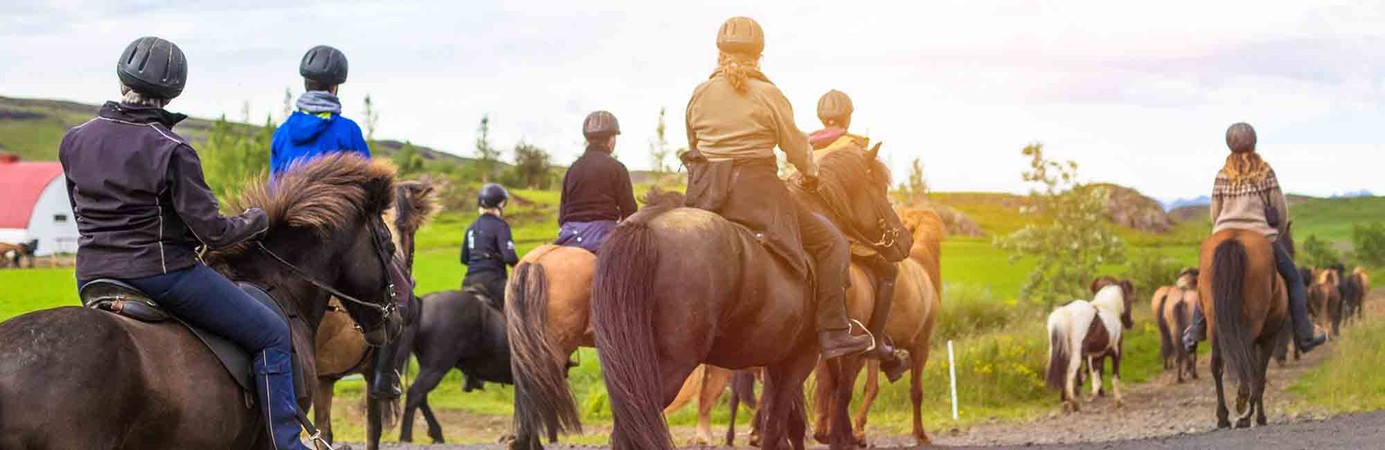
(75, 378)
(675, 288)
(1246, 303)
(341, 348)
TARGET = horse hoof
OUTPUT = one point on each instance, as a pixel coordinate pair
(923, 439)
(819, 436)
(1120, 404)
(1223, 424)
(1243, 423)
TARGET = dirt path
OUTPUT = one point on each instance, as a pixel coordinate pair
(1157, 414)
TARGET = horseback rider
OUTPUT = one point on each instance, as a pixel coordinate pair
(143, 206)
(317, 127)
(488, 247)
(834, 110)
(735, 119)
(597, 191)
(1246, 195)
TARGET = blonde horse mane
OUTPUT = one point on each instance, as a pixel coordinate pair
(1328, 277)
(928, 230)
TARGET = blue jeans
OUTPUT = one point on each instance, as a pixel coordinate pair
(587, 235)
(203, 298)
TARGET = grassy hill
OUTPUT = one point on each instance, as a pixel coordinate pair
(33, 129)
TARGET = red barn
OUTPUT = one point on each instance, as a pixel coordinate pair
(34, 206)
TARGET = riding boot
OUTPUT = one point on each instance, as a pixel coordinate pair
(384, 383)
(829, 250)
(1304, 337)
(891, 359)
(1197, 331)
(274, 385)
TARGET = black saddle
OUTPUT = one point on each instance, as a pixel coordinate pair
(126, 300)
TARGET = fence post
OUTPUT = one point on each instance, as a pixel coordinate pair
(952, 373)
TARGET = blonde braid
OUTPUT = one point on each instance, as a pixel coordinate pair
(737, 67)
(1245, 168)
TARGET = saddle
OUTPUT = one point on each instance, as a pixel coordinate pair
(126, 300)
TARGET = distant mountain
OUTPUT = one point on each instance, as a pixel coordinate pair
(1171, 205)
(33, 128)
(1356, 194)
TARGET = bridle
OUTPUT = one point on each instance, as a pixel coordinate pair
(382, 244)
(889, 234)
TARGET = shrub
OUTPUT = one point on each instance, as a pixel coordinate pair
(1151, 269)
(1317, 253)
(1368, 241)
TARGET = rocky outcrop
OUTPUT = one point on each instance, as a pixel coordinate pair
(1131, 209)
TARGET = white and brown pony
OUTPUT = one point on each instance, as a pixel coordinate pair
(1090, 331)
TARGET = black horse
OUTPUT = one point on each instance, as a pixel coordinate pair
(75, 378)
(456, 329)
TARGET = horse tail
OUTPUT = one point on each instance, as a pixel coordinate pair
(542, 399)
(1232, 330)
(1058, 357)
(1181, 316)
(1166, 347)
(743, 387)
(623, 316)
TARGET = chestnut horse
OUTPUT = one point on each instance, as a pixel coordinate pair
(341, 349)
(675, 288)
(1246, 303)
(917, 299)
(1173, 310)
(79, 378)
(1325, 300)
(1089, 331)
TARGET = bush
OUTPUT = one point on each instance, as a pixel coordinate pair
(234, 155)
(970, 310)
(1151, 269)
(1317, 253)
(1369, 243)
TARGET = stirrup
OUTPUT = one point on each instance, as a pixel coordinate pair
(857, 324)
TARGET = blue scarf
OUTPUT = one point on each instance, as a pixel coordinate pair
(316, 102)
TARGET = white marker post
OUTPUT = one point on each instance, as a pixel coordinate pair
(952, 373)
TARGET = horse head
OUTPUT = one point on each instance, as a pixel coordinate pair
(327, 237)
(854, 187)
(414, 203)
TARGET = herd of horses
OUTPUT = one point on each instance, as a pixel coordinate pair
(678, 303)
(14, 254)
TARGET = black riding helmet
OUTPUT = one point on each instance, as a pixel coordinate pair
(324, 64)
(492, 196)
(154, 67)
(600, 124)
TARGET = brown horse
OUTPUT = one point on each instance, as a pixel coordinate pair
(1246, 303)
(80, 378)
(548, 317)
(675, 288)
(341, 348)
(1173, 310)
(917, 300)
(1325, 300)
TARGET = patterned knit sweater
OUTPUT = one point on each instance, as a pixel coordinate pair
(1242, 205)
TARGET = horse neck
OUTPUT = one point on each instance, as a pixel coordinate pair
(291, 290)
(1108, 299)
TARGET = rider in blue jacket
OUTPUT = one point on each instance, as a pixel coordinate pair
(317, 127)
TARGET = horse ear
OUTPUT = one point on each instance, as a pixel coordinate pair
(1094, 286)
(874, 151)
(1129, 289)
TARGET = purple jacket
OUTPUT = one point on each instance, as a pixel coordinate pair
(137, 192)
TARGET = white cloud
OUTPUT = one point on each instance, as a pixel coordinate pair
(1139, 93)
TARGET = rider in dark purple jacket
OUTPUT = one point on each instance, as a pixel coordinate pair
(596, 189)
(143, 207)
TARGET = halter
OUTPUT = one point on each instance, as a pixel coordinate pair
(384, 311)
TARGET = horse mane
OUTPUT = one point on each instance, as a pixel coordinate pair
(415, 203)
(659, 198)
(325, 195)
(1328, 277)
(927, 229)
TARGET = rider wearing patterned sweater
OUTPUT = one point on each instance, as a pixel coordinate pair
(1246, 195)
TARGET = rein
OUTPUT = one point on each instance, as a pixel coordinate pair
(888, 236)
(309, 278)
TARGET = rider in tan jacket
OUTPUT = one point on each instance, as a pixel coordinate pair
(735, 120)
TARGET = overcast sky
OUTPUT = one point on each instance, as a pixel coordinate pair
(1140, 93)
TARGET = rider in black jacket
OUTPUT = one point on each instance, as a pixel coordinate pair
(142, 207)
(488, 247)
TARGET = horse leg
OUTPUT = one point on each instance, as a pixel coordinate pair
(841, 411)
(872, 389)
(735, 404)
(434, 428)
(373, 413)
(1070, 390)
(823, 388)
(428, 378)
(919, 358)
(1257, 394)
(1095, 366)
(714, 381)
(1116, 377)
(322, 407)
(1217, 372)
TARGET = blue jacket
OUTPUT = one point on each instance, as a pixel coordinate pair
(305, 136)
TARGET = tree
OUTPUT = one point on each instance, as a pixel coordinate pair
(372, 117)
(487, 155)
(658, 148)
(408, 160)
(234, 155)
(1369, 243)
(916, 187)
(1070, 239)
(531, 165)
(1317, 253)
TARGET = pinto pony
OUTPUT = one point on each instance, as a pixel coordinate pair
(1089, 331)
(678, 287)
(1245, 302)
(917, 301)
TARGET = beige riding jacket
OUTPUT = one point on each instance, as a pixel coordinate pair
(727, 125)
